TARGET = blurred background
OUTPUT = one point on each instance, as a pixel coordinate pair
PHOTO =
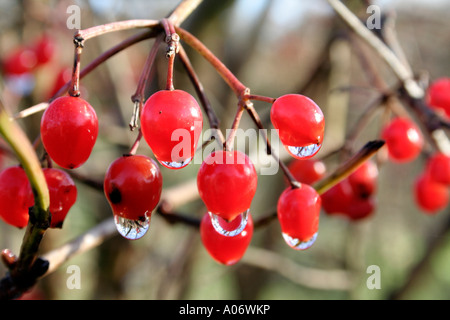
(274, 47)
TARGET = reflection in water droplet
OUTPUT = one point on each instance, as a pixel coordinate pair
(298, 244)
(176, 165)
(221, 225)
(132, 229)
(304, 152)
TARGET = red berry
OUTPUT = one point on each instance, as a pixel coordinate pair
(223, 249)
(345, 200)
(337, 199)
(69, 130)
(360, 208)
(171, 123)
(438, 167)
(438, 95)
(20, 61)
(364, 179)
(133, 186)
(298, 214)
(307, 171)
(16, 196)
(44, 47)
(430, 195)
(63, 194)
(227, 182)
(404, 140)
(301, 124)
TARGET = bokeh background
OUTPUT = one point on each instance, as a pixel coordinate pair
(274, 47)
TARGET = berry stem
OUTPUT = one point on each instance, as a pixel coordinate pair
(213, 120)
(74, 90)
(349, 166)
(39, 215)
(172, 40)
(138, 97)
(96, 31)
(260, 98)
(256, 119)
(233, 82)
(135, 145)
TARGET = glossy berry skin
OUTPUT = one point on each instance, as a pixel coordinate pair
(430, 195)
(438, 167)
(223, 249)
(438, 95)
(20, 61)
(299, 120)
(298, 212)
(16, 196)
(404, 140)
(227, 182)
(307, 171)
(63, 195)
(69, 130)
(133, 186)
(171, 123)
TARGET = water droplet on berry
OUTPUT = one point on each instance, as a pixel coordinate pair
(132, 229)
(304, 152)
(232, 228)
(299, 244)
(176, 165)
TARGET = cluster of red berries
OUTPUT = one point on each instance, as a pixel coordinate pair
(27, 58)
(16, 196)
(431, 187)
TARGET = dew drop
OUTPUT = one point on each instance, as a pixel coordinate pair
(176, 165)
(299, 244)
(229, 229)
(304, 152)
(131, 229)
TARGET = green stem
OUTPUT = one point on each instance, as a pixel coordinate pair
(346, 168)
(39, 214)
